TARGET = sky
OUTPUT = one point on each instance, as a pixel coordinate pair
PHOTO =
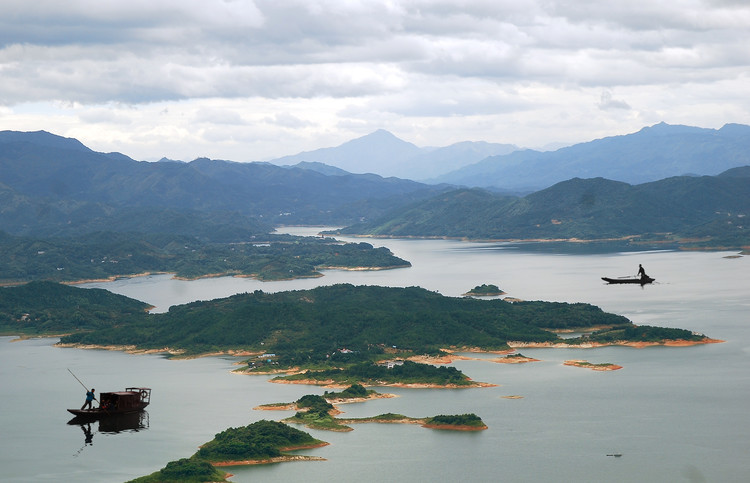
(253, 80)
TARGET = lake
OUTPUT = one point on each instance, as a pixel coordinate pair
(675, 414)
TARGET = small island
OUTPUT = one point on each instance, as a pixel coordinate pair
(319, 412)
(606, 366)
(485, 290)
(259, 443)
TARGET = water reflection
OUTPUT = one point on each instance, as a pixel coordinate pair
(120, 423)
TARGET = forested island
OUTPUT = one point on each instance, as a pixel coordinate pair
(260, 442)
(485, 290)
(319, 412)
(324, 328)
(104, 255)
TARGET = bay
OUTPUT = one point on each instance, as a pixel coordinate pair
(675, 414)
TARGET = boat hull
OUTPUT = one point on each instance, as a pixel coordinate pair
(101, 413)
(640, 281)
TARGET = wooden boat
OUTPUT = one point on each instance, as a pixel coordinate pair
(131, 400)
(639, 280)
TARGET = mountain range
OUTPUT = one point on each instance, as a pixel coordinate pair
(711, 210)
(51, 185)
(651, 154)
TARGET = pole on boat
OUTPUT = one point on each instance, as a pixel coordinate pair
(82, 384)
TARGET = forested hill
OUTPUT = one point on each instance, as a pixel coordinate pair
(50, 184)
(711, 208)
(359, 318)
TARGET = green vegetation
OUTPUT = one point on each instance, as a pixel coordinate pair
(107, 255)
(456, 420)
(261, 440)
(641, 333)
(322, 328)
(50, 308)
(372, 374)
(693, 211)
(314, 326)
(485, 290)
(185, 470)
(355, 391)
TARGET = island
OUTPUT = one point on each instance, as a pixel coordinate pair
(400, 374)
(334, 335)
(485, 290)
(261, 442)
(108, 256)
(319, 412)
(606, 366)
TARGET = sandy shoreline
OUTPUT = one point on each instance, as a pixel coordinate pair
(593, 345)
(278, 459)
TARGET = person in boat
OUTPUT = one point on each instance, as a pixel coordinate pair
(89, 399)
(641, 272)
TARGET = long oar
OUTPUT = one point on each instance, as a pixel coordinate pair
(87, 389)
(82, 384)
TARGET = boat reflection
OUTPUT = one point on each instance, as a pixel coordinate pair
(120, 423)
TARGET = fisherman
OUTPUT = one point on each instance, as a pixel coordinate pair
(641, 272)
(89, 398)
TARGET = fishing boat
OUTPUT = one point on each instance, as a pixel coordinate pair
(639, 280)
(131, 400)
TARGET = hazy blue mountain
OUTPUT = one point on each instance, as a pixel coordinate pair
(48, 182)
(651, 154)
(384, 154)
(379, 152)
(712, 207)
(321, 168)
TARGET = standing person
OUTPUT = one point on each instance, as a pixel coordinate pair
(641, 271)
(89, 398)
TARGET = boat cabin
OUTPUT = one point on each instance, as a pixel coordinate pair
(131, 399)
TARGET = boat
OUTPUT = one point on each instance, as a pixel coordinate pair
(639, 280)
(131, 400)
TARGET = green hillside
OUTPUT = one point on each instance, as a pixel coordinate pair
(308, 325)
(104, 255)
(712, 208)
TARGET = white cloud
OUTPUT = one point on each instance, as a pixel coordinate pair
(230, 78)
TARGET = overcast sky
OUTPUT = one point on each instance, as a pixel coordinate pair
(246, 81)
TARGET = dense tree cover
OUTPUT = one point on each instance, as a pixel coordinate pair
(185, 470)
(644, 333)
(323, 320)
(712, 207)
(485, 289)
(47, 307)
(469, 419)
(352, 392)
(106, 254)
(371, 374)
(262, 439)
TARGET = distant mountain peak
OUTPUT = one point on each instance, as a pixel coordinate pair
(42, 138)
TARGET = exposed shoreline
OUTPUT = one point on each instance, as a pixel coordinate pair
(635, 344)
(277, 459)
(594, 367)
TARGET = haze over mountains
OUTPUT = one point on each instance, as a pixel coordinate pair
(383, 153)
(54, 186)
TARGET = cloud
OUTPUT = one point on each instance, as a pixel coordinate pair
(607, 102)
(333, 68)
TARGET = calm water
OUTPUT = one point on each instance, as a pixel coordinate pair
(675, 414)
